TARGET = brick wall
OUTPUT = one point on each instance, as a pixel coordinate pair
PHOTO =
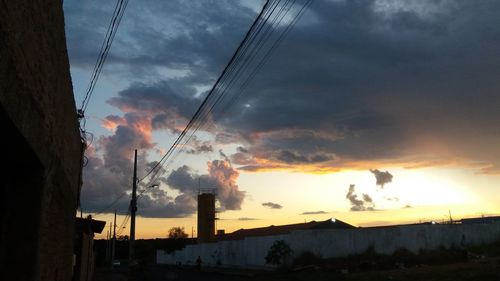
(40, 134)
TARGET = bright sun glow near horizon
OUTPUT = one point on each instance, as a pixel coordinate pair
(416, 195)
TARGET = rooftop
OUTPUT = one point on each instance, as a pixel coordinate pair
(285, 229)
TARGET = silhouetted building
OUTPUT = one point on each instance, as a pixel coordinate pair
(41, 144)
(285, 229)
(481, 220)
(206, 217)
(84, 248)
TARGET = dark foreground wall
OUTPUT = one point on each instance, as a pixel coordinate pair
(41, 147)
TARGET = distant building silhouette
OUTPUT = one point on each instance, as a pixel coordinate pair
(481, 220)
(285, 229)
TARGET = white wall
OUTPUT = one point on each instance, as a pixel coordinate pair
(250, 252)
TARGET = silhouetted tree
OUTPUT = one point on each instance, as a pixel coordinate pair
(177, 232)
(279, 253)
(122, 238)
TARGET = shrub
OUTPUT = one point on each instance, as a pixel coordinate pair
(307, 258)
(404, 257)
(279, 253)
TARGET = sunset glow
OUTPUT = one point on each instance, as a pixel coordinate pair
(377, 113)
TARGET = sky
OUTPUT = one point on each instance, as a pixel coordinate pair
(374, 112)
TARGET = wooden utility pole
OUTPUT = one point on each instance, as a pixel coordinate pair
(133, 209)
(107, 245)
(109, 242)
(113, 247)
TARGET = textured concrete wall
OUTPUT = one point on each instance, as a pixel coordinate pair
(37, 102)
(251, 252)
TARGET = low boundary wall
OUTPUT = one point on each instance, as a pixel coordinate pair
(251, 252)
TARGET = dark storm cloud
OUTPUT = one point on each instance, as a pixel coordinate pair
(182, 205)
(85, 33)
(395, 85)
(272, 205)
(241, 149)
(294, 157)
(102, 186)
(167, 108)
(367, 198)
(381, 178)
(183, 179)
(371, 91)
(201, 149)
(364, 204)
(159, 38)
(224, 156)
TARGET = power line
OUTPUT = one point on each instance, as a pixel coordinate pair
(110, 205)
(238, 67)
(281, 14)
(116, 18)
(127, 216)
(118, 13)
(270, 51)
(248, 49)
(222, 85)
(211, 92)
(267, 33)
(124, 222)
(244, 55)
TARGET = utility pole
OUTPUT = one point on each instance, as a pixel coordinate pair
(133, 209)
(114, 243)
(109, 242)
(107, 245)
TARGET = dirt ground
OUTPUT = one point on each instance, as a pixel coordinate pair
(484, 269)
